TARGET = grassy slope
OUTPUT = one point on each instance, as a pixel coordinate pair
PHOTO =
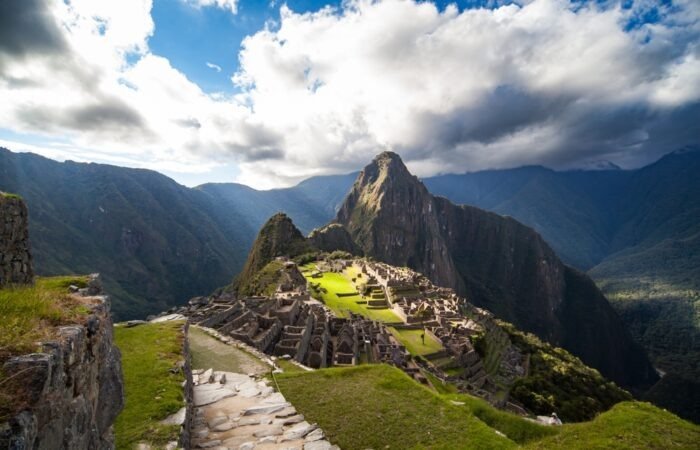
(335, 283)
(628, 425)
(378, 406)
(152, 391)
(412, 340)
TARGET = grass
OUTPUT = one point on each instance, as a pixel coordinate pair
(9, 195)
(30, 314)
(288, 367)
(413, 342)
(152, 390)
(336, 283)
(628, 425)
(207, 352)
(378, 406)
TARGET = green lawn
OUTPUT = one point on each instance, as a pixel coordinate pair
(152, 391)
(379, 406)
(336, 283)
(413, 342)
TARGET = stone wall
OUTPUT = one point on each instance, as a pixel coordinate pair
(72, 389)
(185, 436)
(15, 258)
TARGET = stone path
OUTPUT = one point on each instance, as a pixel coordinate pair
(239, 412)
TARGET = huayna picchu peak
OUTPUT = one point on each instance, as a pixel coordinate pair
(497, 262)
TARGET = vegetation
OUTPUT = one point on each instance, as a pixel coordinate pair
(378, 406)
(30, 314)
(413, 342)
(559, 382)
(152, 382)
(628, 425)
(9, 195)
(264, 282)
(210, 353)
(334, 289)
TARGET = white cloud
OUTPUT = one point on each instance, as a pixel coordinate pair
(214, 66)
(323, 92)
(231, 5)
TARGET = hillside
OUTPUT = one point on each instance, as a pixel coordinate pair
(496, 262)
(155, 242)
(376, 406)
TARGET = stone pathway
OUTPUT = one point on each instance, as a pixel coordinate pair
(239, 412)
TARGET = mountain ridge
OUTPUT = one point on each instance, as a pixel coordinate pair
(497, 262)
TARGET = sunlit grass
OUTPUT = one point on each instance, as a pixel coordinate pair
(331, 284)
(152, 389)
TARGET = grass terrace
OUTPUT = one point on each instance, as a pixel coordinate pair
(339, 294)
(411, 339)
(30, 314)
(152, 390)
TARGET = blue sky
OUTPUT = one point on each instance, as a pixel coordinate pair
(451, 86)
(192, 37)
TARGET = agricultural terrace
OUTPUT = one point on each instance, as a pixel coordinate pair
(339, 293)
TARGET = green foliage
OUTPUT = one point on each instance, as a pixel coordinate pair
(339, 254)
(153, 390)
(10, 195)
(306, 258)
(264, 282)
(559, 382)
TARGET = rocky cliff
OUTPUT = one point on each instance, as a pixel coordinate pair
(71, 390)
(495, 261)
(15, 257)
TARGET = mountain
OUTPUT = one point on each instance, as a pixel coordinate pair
(278, 237)
(636, 232)
(155, 242)
(497, 262)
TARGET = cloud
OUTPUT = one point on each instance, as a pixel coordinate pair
(546, 82)
(549, 82)
(214, 66)
(231, 5)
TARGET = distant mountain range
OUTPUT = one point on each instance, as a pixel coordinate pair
(636, 232)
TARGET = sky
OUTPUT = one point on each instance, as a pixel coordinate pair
(268, 93)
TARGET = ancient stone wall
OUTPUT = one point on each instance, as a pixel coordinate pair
(72, 388)
(15, 258)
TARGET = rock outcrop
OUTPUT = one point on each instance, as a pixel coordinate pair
(332, 237)
(15, 257)
(72, 388)
(496, 262)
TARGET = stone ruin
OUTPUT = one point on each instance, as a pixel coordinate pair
(15, 257)
(292, 324)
